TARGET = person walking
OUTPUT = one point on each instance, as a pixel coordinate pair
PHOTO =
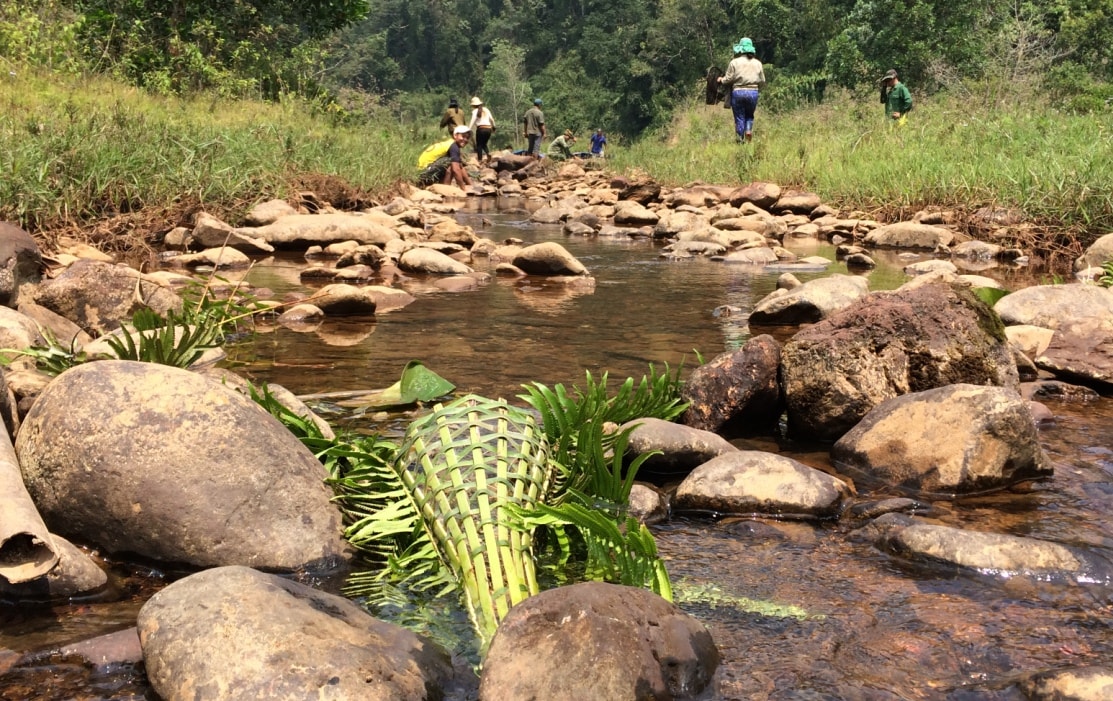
(744, 77)
(482, 124)
(533, 123)
(453, 116)
(598, 143)
(895, 97)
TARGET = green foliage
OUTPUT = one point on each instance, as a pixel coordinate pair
(40, 33)
(621, 552)
(454, 507)
(1073, 86)
(1106, 279)
(255, 48)
(507, 92)
(589, 452)
(74, 150)
(164, 340)
(989, 295)
(417, 384)
(54, 358)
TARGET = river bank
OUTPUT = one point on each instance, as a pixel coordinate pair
(110, 165)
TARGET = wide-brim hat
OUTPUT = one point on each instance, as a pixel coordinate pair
(744, 46)
(476, 102)
(453, 103)
(462, 129)
(568, 134)
(891, 73)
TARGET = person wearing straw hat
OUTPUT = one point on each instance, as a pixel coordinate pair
(744, 77)
(483, 126)
(561, 148)
(895, 97)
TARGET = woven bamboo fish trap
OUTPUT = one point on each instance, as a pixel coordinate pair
(464, 463)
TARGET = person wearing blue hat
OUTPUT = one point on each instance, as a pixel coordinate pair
(534, 127)
(744, 76)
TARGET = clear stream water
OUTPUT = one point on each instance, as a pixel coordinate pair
(866, 625)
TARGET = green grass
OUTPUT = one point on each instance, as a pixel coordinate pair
(953, 152)
(76, 149)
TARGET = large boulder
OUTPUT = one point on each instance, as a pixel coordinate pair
(630, 213)
(235, 633)
(268, 212)
(1080, 352)
(62, 329)
(598, 641)
(753, 482)
(1006, 556)
(888, 344)
(1050, 306)
(957, 439)
(1099, 253)
(548, 258)
(20, 262)
(167, 464)
(99, 297)
(811, 302)
(737, 392)
(679, 449)
(210, 232)
(910, 235)
(796, 202)
(304, 230)
(431, 262)
(764, 195)
(344, 300)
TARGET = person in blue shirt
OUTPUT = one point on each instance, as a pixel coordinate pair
(598, 141)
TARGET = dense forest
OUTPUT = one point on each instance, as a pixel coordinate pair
(619, 64)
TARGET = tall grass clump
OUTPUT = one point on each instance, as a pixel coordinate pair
(956, 150)
(74, 149)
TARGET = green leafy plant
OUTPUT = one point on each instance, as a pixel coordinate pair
(168, 340)
(1106, 278)
(54, 358)
(459, 505)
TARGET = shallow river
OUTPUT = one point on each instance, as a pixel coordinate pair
(856, 623)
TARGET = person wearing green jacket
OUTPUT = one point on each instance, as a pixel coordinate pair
(895, 97)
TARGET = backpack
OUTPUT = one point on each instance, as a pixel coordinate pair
(433, 152)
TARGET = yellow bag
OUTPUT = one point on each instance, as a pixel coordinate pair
(433, 152)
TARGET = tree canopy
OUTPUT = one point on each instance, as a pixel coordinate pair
(616, 64)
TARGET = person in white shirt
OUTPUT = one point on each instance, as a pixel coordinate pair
(482, 125)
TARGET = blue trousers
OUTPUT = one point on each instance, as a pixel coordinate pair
(743, 103)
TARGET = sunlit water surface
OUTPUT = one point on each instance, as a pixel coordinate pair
(855, 623)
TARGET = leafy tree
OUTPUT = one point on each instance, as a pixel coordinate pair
(239, 45)
(505, 88)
